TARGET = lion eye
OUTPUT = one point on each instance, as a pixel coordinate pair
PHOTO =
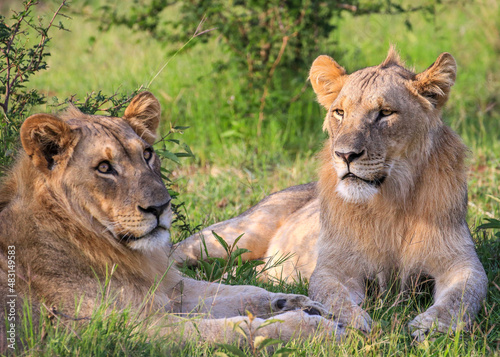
(386, 113)
(148, 154)
(338, 114)
(104, 167)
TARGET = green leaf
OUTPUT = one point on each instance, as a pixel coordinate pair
(233, 349)
(492, 224)
(238, 252)
(269, 322)
(261, 342)
(168, 155)
(187, 149)
(221, 241)
(173, 193)
(237, 239)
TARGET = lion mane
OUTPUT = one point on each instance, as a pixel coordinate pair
(391, 200)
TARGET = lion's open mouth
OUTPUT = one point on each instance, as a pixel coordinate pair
(377, 182)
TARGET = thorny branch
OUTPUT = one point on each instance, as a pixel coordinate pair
(12, 80)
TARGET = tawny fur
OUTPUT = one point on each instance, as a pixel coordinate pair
(85, 202)
(391, 199)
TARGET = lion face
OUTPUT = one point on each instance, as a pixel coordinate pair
(106, 170)
(379, 119)
(119, 181)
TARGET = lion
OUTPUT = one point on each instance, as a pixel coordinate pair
(85, 201)
(390, 204)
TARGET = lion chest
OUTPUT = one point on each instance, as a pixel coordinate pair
(376, 245)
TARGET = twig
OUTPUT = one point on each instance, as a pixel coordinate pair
(5, 105)
(54, 313)
(37, 56)
(196, 34)
(128, 99)
(44, 34)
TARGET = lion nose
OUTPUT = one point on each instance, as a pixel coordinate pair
(156, 210)
(349, 157)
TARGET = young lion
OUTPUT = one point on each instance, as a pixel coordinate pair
(391, 200)
(86, 195)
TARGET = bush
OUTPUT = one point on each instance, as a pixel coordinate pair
(18, 62)
(264, 37)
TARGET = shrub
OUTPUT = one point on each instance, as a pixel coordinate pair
(18, 62)
(265, 37)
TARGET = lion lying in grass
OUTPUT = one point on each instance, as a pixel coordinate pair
(390, 204)
(85, 196)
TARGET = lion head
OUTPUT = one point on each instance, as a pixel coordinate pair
(103, 171)
(381, 122)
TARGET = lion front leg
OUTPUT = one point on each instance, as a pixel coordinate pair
(241, 329)
(220, 300)
(458, 295)
(341, 298)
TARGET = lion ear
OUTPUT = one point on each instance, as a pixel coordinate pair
(327, 78)
(143, 115)
(435, 82)
(47, 140)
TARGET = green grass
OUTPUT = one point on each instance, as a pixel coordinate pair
(124, 334)
(234, 168)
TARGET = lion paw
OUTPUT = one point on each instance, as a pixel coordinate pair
(290, 302)
(357, 318)
(428, 323)
(299, 323)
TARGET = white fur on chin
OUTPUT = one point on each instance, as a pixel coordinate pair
(158, 238)
(357, 191)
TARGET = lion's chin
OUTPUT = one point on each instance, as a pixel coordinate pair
(356, 191)
(157, 238)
